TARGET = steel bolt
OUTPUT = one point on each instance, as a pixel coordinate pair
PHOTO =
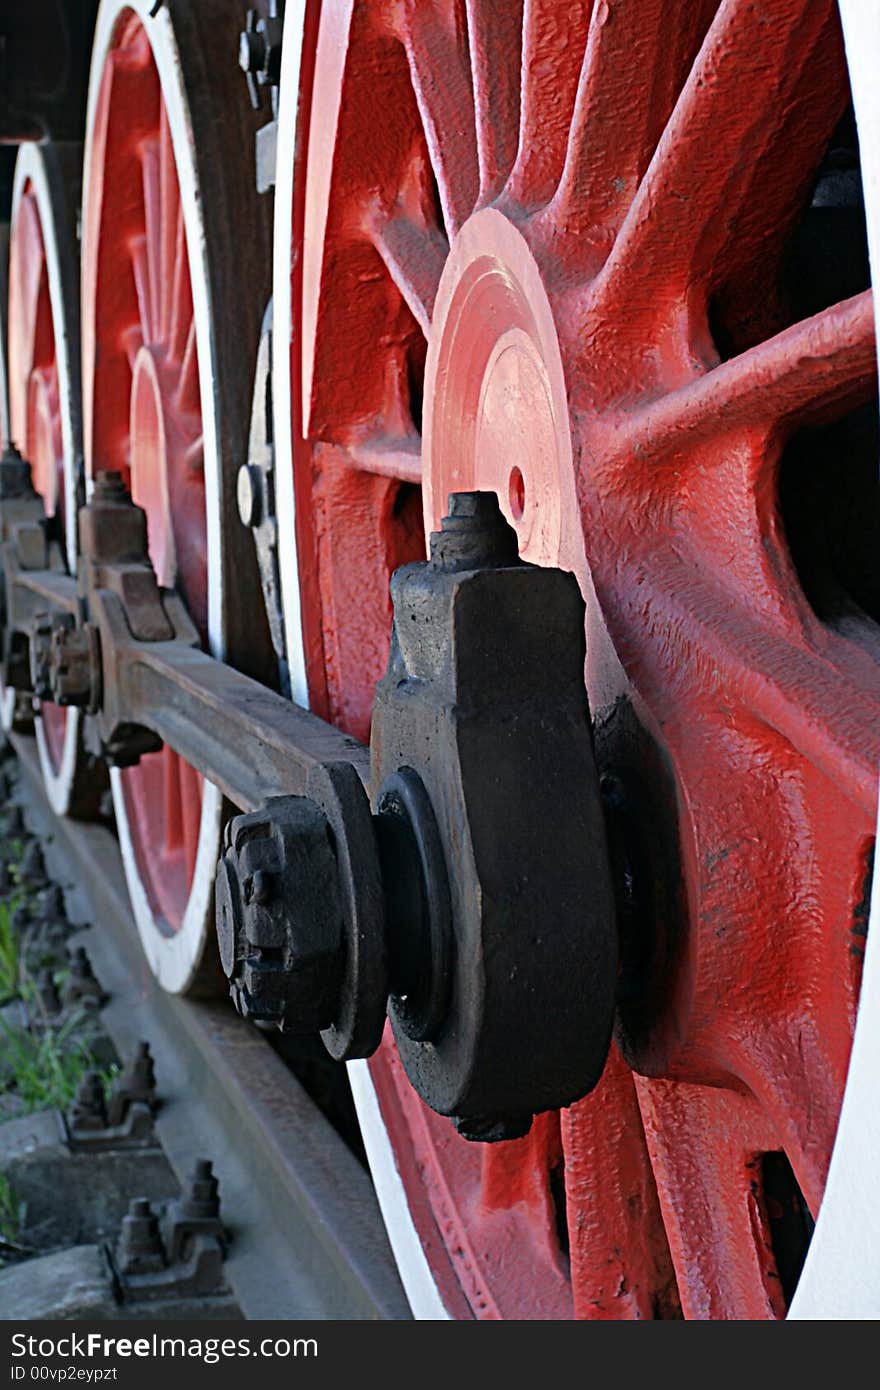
(89, 1110)
(74, 663)
(279, 917)
(202, 1200)
(140, 1249)
(135, 1084)
(195, 1213)
(109, 486)
(251, 47)
(474, 535)
(259, 53)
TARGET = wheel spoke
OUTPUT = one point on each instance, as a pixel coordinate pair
(435, 39)
(390, 458)
(172, 821)
(173, 242)
(150, 162)
(637, 58)
(188, 395)
(620, 1263)
(818, 690)
(697, 214)
(181, 307)
(355, 564)
(415, 257)
(554, 39)
(495, 42)
(191, 804)
(141, 273)
(821, 365)
(705, 1146)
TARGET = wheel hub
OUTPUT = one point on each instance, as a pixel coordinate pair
(496, 415)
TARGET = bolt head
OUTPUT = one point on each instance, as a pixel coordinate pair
(279, 916)
(251, 50)
(249, 495)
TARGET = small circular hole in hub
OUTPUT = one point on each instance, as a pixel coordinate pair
(516, 494)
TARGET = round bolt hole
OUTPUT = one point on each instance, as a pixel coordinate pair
(516, 493)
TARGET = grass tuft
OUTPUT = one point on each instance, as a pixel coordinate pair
(44, 1068)
(8, 955)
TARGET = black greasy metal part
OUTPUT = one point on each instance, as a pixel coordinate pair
(279, 915)
(359, 1016)
(417, 905)
(484, 699)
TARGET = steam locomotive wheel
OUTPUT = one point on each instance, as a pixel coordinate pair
(44, 399)
(546, 254)
(160, 403)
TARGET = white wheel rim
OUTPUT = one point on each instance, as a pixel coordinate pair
(174, 958)
(31, 167)
(841, 1275)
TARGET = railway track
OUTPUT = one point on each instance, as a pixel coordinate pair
(308, 1238)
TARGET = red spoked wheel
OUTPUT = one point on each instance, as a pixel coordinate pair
(548, 250)
(44, 400)
(158, 344)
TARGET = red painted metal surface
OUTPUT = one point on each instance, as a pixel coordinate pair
(521, 226)
(34, 393)
(142, 404)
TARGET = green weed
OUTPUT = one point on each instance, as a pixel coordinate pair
(11, 1217)
(8, 955)
(10, 1212)
(44, 1068)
